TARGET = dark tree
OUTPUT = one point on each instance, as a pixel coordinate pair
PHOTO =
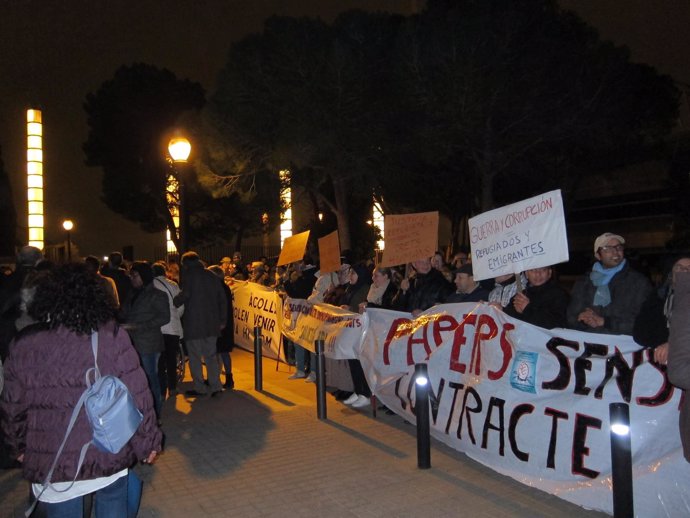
(502, 99)
(305, 96)
(131, 118)
(8, 214)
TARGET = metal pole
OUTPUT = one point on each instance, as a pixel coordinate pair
(69, 247)
(321, 409)
(421, 409)
(621, 461)
(258, 354)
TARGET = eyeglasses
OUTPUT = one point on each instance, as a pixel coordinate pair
(617, 248)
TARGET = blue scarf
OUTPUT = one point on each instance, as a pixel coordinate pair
(601, 277)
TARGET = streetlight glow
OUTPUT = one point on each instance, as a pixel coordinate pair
(68, 225)
(179, 149)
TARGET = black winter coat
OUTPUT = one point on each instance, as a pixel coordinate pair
(547, 306)
(426, 290)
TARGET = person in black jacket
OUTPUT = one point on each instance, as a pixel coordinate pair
(355, 294)
(543, 303)
(300, 286)
(226, 341)
(427, 288)
(651, 328)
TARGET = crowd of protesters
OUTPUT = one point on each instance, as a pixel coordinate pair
(156, 308)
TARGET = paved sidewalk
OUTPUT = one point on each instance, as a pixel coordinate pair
(249, 454)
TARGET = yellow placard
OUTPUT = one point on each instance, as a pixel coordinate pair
(329, 253)
(293, 248)
(410, 237)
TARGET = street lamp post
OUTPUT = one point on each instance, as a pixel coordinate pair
(68, 225)
(179, 149)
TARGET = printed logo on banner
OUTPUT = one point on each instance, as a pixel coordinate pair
(523, 372)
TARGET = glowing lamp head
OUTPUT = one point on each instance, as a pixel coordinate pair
(68, 225)
(179, 149)
(421, 376)
(619, 417)
(620, 429)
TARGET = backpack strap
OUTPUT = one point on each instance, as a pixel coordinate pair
(72, 421)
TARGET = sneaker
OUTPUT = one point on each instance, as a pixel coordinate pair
(341, 395)
(354, 397)
(311, 378)
(362, 401)
(297, 376)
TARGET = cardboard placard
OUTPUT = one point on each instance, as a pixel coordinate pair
(329, 253)
(410, 237)
(293, 248)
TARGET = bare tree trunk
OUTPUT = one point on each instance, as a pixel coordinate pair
(238, 239)
(342, 213)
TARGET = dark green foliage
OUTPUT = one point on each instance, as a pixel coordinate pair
(8, 214)
(467, 105)
(131, 118)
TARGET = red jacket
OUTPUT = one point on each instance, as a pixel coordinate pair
(44, 378)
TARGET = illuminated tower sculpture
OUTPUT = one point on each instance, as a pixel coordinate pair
(34, 176)
(286, 199)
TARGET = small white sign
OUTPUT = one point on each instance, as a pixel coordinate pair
(521, 236)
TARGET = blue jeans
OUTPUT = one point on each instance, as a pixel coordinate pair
(110, 502)
(149, 362)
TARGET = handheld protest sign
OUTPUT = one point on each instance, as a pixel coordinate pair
(410, 237)
(293, 248)
(524, 235)
(329, 253)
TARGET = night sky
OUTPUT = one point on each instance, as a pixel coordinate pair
(54, 52)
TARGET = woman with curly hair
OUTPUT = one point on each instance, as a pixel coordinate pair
(44, 378)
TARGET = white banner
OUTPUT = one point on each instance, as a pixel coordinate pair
(255, 305)
(533, 404)
(518, 237)
(304, 322)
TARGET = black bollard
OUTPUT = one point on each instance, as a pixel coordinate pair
(258, 366)
(421, 410)
(321, 409)
(621, 461)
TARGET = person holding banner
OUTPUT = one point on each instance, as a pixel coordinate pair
(611, 296)
(428, 288)
(505, 288)
(543, 303)
(468, 290)
(382, 290)
(300, 286)
(356, 293)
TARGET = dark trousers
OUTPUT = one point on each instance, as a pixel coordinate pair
(167, 364)
(358, 379)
